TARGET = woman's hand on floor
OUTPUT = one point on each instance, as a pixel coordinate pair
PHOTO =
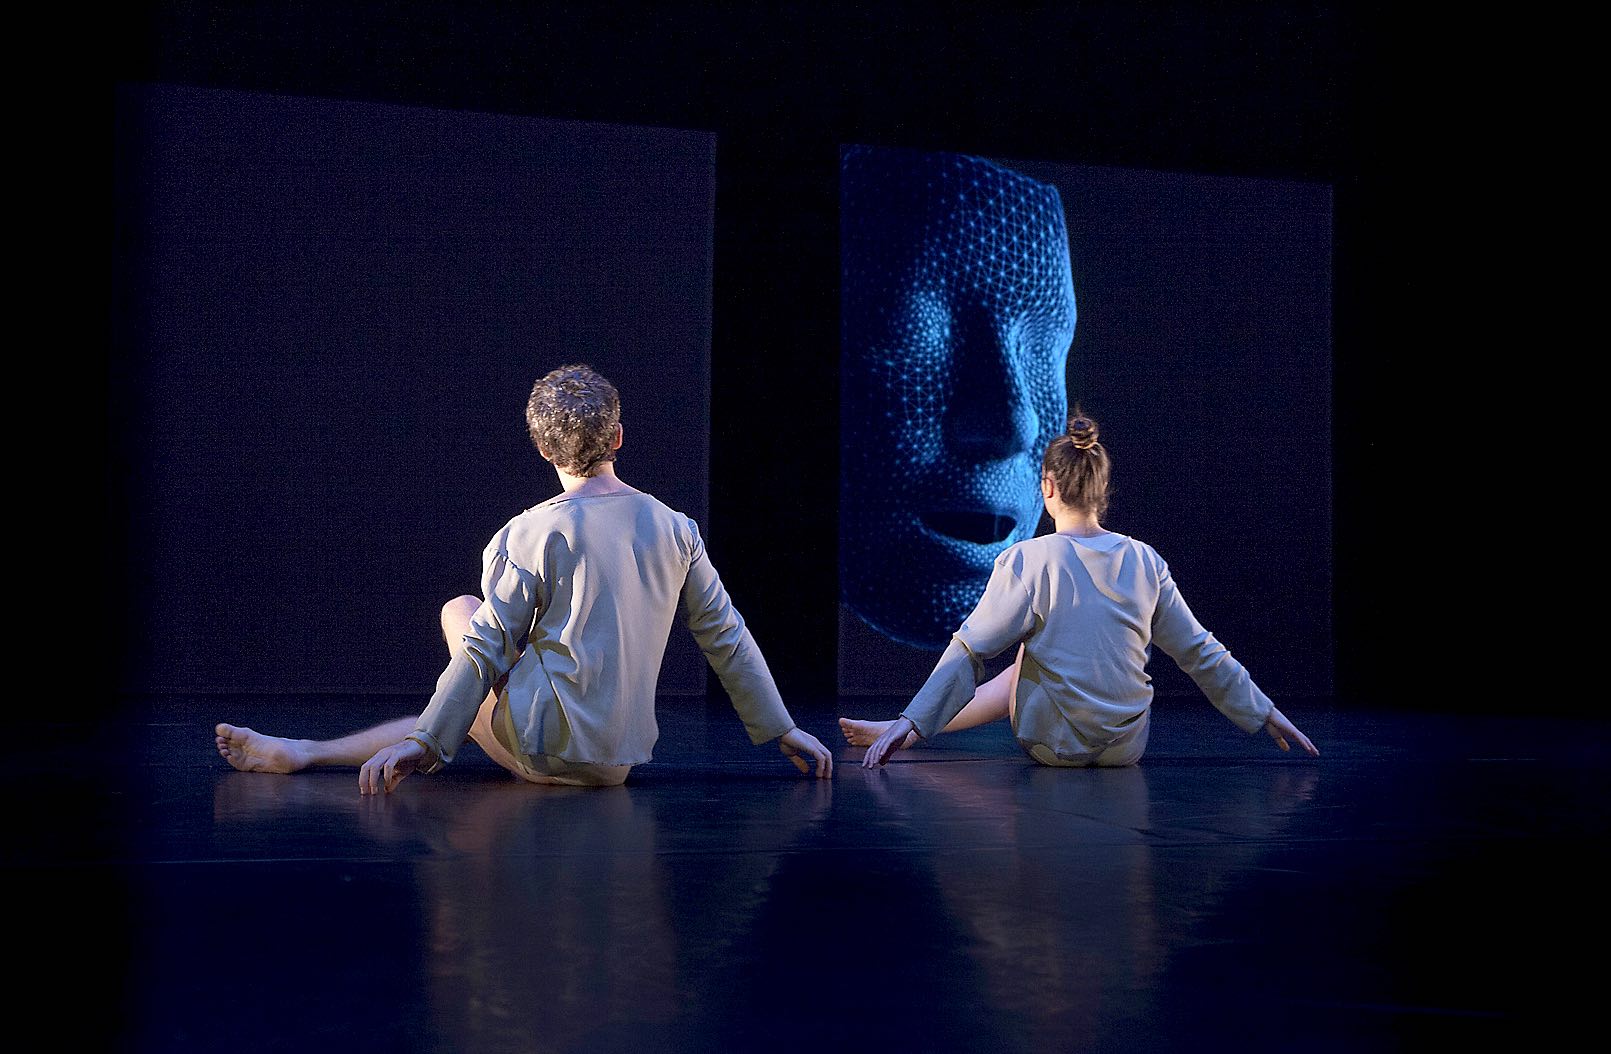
(893, 739)
(797, 742)
(1282, 730)
(388, 767)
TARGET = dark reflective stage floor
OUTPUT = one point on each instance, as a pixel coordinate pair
(1418, 881)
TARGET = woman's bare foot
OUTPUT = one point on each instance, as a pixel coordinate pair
(251, 751)
(863, 733)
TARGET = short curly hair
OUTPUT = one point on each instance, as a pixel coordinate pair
(572, 415)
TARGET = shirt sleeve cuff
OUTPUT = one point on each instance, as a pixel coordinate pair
(433, 749)
(1251, 717)
(768, 732)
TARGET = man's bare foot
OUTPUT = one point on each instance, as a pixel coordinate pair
(863, 733)
(251, 751)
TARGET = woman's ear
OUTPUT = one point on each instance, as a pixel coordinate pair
(620, 434)
(1048, 489)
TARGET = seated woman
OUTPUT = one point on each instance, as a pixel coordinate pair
(1083, 605)
(554, 673)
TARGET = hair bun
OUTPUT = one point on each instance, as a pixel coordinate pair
(1082, 430)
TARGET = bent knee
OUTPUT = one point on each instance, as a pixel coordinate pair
(457, 612)
(463, 603)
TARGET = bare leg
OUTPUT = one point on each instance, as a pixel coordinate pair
(251, 751)
(994, 700)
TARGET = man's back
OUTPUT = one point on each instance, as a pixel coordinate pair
(607, 572)
(581, 593)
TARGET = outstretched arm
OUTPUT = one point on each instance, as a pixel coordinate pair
(732, 652)
(1221, 678)
(1003, 617)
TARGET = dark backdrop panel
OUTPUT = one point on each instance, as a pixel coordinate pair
(1203, 348)
(1344, 94)
(328, 318)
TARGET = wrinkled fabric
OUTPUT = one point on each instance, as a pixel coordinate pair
(1086, 611)
(581, 593)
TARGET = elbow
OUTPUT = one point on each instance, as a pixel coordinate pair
(721, 650)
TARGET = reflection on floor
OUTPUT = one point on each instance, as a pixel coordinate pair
(1408, 885)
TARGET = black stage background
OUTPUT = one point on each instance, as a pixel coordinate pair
(330, 317)
(1384, 106)
(1307, 92)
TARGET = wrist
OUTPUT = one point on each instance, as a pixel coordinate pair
(433, 760)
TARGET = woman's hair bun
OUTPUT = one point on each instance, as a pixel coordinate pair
(1082, 430)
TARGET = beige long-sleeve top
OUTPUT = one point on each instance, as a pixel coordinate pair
(1086, 610)
(581, 594)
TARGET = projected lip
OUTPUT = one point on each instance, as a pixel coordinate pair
(981, 528)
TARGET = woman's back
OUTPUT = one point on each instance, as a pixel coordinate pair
(1086, 610)
(1083, 681)
(1086, 604)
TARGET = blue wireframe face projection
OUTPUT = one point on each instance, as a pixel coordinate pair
(957, 310)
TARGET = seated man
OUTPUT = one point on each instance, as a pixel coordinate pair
(554, 673)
